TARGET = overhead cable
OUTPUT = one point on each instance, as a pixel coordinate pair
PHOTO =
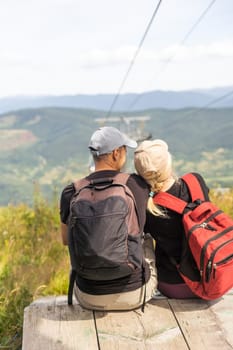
(133, 59)
(210, 103)
(187, 35)
(204, 107)
(197, 22)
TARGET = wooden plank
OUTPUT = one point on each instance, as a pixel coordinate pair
(205, 325)
(49, 323)
(156, 328)
(223, 311)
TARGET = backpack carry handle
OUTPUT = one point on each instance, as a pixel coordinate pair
(97, 184)
(203, 210)
(105, 180)
(101, 184)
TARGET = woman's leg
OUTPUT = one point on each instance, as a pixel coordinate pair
(175, 291)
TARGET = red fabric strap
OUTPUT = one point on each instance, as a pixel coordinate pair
(178, 205)
(193, 186)
(169, 201)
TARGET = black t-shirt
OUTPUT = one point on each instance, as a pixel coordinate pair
(168, 232)
(140, 191)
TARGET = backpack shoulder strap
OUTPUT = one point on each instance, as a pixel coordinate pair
(194, 187)
(169, 201)
(79, 184)
(122, 178)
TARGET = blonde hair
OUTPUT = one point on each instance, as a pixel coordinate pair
(153, 162)
(156, 180)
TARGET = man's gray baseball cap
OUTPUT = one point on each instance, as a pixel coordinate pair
(106, 139)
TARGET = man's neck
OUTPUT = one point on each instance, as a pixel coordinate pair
(99, 167)
(106, 164)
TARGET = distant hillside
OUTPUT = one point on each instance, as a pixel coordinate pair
(126, 102)
(48, 146)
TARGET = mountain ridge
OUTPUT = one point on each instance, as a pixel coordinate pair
(49, 146)
(196, 98)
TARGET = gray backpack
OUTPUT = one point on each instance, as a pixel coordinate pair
(105, 242)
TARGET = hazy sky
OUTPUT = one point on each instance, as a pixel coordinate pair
(73, 46)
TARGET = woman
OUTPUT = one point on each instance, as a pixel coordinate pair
(154, 163)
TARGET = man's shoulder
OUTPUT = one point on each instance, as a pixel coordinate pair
(68, 189)
(138, 186)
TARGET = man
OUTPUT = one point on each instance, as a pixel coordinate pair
(108, 148)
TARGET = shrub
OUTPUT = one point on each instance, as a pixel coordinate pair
(33, 262)
(224, 200)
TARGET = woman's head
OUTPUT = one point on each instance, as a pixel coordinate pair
(153, 162)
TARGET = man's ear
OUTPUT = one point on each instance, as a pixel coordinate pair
(115, 154)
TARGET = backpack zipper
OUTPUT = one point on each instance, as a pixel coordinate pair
(210, 264)
(72, 222)
(204, 248)
(204, 224)
(207, 226)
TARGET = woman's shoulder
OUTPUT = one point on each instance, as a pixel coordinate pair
(180, 189)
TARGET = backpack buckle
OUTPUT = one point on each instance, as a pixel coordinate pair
(193, 205)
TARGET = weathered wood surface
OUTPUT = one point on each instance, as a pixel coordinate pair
(205, 325)
(49, 323)
(156, 328)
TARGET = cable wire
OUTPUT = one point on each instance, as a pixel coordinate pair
(216, 100)
(187, 35)
(197, 22)
(198, 110)
(133, 59)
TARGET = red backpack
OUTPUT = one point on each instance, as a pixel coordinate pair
(209, 237)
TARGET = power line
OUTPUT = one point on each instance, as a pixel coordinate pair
(210, 103)
(197, 22)
(206, 106)
(66, 129)
(133, 59)
(187, 35)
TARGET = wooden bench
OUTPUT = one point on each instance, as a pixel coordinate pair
(50, 324)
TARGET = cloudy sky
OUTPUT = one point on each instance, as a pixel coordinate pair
(85, 47)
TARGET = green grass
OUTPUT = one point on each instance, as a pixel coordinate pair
(33, 262)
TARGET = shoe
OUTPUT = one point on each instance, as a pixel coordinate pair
(158, 295)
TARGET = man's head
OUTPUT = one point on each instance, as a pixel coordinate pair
(108, 147)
